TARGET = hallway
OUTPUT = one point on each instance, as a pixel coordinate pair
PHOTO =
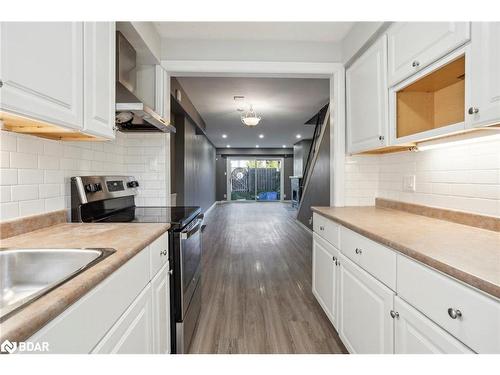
(256, 285)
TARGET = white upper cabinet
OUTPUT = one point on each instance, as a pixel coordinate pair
(484, 106)
(99, 83)
(414, 45)
(366, 99)
(416, 334)
(41, 69)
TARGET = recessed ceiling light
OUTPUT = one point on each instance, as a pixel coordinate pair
(228, 146)
(257, 146)
(261, 135)
(224, 135)
(298, 136)
(284, 146)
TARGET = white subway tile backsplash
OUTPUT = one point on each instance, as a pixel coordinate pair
(39, 179)
(8, 176)
(31, 207)
(30, 176)
(23, 160)
(464, 177)
(24, 192)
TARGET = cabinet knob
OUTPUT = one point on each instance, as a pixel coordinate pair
(1, 83)
(334, 259)
(321, 227)
(454, 313)
(164, 252)
(170, 272)
(415, 64)
(473, 110)
(358, 250)
(394, 314)
(381, 137)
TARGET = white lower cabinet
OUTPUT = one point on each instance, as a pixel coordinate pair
(414, 333)
(366, 326)
(325, 275)
(161, 311)
(129, 312)
(133, 333)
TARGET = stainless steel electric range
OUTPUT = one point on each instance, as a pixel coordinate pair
(111, 199)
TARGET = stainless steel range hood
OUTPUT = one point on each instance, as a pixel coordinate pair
(132, 115)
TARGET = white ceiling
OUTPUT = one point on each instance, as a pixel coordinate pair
(284, 104)
(262, 31)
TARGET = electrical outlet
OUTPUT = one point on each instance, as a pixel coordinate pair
(409, 183)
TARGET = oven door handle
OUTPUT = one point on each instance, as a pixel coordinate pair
(192, 231)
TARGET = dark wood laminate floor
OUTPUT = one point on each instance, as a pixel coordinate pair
(256, 285)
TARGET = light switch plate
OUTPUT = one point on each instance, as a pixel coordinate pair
(409, 182)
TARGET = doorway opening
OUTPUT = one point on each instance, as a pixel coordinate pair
(252, 179)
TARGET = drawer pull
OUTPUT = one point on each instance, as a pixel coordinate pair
(334, 259)
(321, 227)
(454, 313)
(394, 314)
(164, 252)
(415, 64)
(358, 250)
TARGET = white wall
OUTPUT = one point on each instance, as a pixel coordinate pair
(35, 172)
(233, 50)
(465, 177)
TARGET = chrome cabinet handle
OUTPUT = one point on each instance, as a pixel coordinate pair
(164, 252)
(415, 64)
(473, 110)
(381, 137)
(358, 250)
(454, 313)
(321, 227)
(170, 272)
(394, 314)
(334, 259)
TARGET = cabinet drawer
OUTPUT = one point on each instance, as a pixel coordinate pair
(434, 294)
(326, 228)
(374, 258)
(159, 253)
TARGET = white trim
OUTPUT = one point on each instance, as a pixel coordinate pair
(210, 208)
(303, 226)
(194, 68)
(334, 71)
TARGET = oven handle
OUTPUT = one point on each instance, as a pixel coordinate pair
(192, 231)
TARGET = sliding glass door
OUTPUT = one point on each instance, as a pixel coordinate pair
(255, 179)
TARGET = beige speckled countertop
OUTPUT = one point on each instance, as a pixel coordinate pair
(126, 238)
(469, 254)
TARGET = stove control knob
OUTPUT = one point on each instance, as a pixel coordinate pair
(132, 184)
(98, 187)
(92, 188)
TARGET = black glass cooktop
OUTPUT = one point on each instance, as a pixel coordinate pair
(178, 216)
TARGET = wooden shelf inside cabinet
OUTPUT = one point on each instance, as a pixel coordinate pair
(432, 102)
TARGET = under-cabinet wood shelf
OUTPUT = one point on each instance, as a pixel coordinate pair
(432, 102)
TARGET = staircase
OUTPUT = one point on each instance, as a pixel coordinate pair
(316, 181)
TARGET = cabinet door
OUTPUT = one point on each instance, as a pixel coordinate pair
(132, 334)
(324, 276)
(484, 106)
(366, 326)
(366, 100)
(99, 84)
(416, 334)
(161, 311)
(41, 67)
(414, 45)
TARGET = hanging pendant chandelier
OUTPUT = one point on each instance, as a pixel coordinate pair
(250, 118)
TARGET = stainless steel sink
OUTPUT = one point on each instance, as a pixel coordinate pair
(28, 274)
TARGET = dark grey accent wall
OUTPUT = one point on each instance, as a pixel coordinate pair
(300, 153)
(318, 189)
(221, 167)
(193, 165)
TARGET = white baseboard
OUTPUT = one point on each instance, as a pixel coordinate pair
(210, 208)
